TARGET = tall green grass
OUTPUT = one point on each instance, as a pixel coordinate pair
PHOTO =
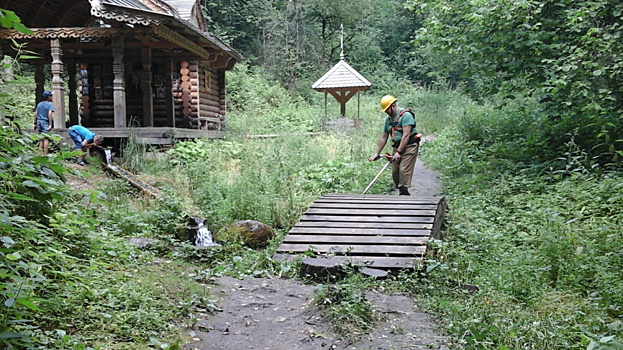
(541, 242)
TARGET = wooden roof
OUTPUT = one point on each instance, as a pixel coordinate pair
(189, 10)
(341, 76)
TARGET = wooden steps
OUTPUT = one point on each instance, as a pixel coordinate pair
(379, 231)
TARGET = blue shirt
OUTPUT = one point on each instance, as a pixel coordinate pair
(43, 110)
(84, 133)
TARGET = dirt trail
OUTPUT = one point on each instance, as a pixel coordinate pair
(275, 313)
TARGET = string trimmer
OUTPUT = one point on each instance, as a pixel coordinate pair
(389, 160)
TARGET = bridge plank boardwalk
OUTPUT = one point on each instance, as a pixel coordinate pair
(379, 231)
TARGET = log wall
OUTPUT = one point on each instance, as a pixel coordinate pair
(198, 96)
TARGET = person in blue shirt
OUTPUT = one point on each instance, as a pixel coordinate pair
(44, 121)
(84, 138)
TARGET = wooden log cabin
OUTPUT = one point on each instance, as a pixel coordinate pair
(147, 67)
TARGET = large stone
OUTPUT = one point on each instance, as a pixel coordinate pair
(253, 233)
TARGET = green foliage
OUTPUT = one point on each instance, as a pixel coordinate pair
(65, 282)
(187, 152)
(540, 244)
(9, 20)
(133, 152)
(41, 235)
(18, 100)
(296, 42)
(261, 106)
(566, 55)
(346, 307)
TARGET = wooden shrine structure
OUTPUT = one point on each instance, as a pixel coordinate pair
(342, 82)
(146, 64)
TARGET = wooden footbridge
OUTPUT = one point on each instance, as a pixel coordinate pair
(380, 231)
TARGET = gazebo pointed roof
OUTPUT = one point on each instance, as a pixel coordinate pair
(342, 76)
(342, 82)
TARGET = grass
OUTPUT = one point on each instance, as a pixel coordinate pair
(541, 246)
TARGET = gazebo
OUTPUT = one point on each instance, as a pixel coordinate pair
(342, 82)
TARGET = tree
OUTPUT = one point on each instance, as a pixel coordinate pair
(568, 52)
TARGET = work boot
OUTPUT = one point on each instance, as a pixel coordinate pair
(81, 162)
(403, 191)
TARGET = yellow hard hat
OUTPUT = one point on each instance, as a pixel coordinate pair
(387, 101)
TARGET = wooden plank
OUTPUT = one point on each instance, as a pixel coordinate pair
(371, 212)
(360, 231)
(387, 225)
(377, 219)
(384, 201)
(342, 205)
(380, 262)
(378, 240)
(439, 218)
(379, 197)
(354, 249)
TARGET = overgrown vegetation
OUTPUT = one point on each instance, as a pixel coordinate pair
(541, 242)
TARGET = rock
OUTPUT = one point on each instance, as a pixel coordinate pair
(376, 273)
(142, 242)
(254, 234)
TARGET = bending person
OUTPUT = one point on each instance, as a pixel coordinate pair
(84, 139)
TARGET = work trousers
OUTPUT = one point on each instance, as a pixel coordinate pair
(402, 171)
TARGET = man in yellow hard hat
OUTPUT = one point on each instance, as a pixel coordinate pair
(400, 124)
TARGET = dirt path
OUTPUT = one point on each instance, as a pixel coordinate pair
(275, 313)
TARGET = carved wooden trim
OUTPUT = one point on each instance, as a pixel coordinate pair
(60, 33)
(119, 15)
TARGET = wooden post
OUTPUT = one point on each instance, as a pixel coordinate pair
(39, 81)
(73, 96)
(358, 102)
(118, 83)
(148, 96)
(169, 95)
(343, 101)
(325, 104)
(58, 98)
(85, 108)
